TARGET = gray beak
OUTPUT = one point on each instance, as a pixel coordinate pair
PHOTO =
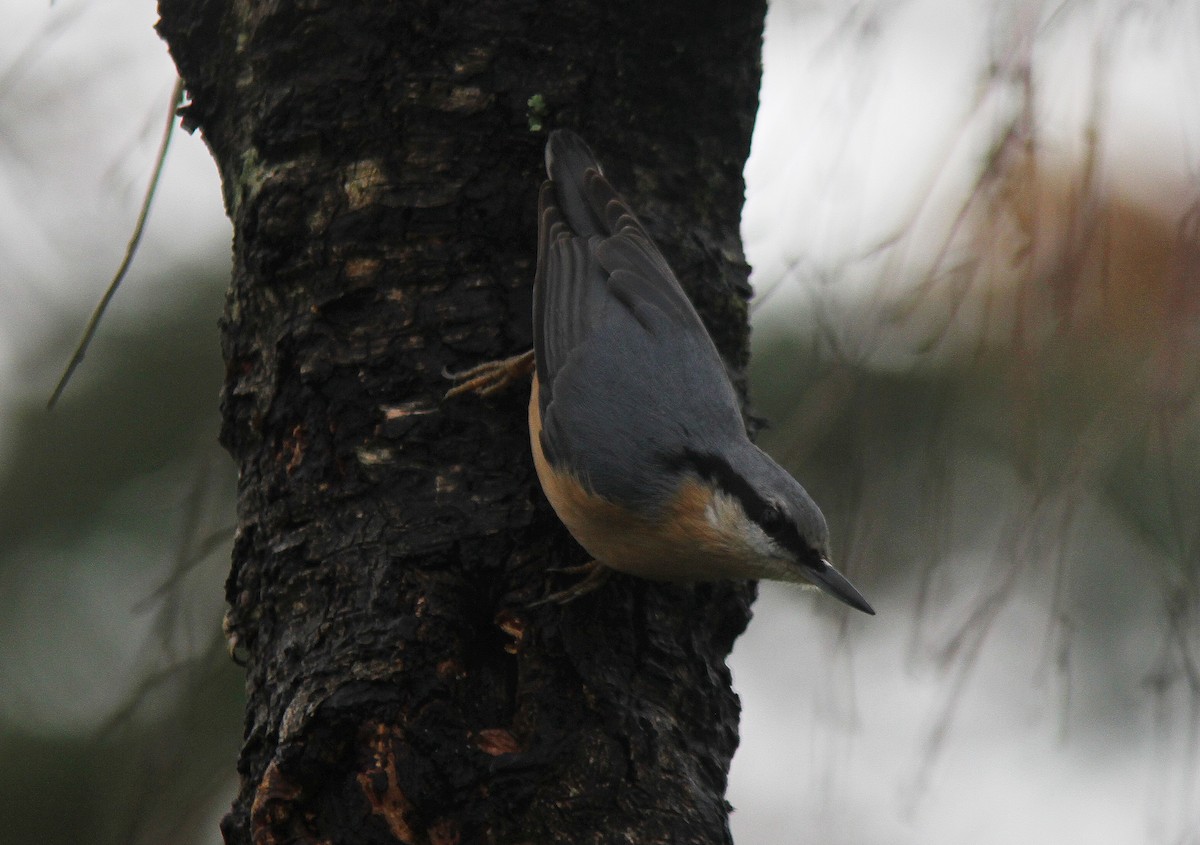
(833, 582)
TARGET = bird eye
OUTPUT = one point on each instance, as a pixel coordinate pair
(772, 518)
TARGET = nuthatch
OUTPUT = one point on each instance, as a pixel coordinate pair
(636, 431)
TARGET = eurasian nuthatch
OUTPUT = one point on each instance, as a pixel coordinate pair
(636, 431)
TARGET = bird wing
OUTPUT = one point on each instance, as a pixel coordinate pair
(629, 378)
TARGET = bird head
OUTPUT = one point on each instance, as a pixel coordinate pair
(778, 531)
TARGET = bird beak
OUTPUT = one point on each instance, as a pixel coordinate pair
(833, 582)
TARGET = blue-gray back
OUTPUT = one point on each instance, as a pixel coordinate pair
(629, 377)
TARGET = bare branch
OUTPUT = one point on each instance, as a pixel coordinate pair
(89, 331)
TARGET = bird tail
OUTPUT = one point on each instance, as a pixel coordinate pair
(568, 163)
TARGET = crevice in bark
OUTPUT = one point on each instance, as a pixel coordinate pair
(381, 176)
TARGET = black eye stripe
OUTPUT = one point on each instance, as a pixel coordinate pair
(769, 516)
(772, 517)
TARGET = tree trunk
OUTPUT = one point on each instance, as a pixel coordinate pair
(380, 164)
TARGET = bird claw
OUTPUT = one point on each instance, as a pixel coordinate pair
(597, 575)
(491, 376)
(579, 569)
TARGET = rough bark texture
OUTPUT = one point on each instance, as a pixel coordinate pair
(380, 164)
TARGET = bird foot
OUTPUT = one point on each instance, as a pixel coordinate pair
(596, 575)
(491, 376)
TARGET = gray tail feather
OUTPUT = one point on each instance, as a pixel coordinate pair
(568, 160)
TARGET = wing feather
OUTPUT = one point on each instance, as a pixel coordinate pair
(628, 375)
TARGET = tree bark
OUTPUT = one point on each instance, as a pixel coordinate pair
(380, 164)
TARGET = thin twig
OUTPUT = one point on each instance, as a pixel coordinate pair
(134, 239)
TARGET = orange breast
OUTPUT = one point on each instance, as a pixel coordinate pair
(677, 543)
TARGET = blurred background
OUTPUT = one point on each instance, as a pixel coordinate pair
(975, 230)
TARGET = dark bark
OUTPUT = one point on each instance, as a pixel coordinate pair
(380, 164)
